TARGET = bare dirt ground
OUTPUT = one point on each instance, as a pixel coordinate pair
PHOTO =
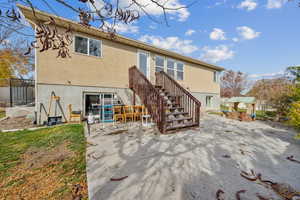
(16, 123)
(192, 164)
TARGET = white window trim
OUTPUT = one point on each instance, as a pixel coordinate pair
(100, 48)
(88, 46)
(148, 61)
(175, 67)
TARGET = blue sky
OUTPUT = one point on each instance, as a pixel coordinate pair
(259, 37)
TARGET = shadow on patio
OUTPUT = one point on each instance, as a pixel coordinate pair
(190, 164)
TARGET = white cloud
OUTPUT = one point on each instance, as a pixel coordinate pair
(121, 27)
(190, 32)
(235, 39)
(218, 3)
(217, 34)
(248, 5)
(276, 3)
(171, 43)
(267, 75)
(126, 28)
(247, 33)
(217, 54)
(152, 9)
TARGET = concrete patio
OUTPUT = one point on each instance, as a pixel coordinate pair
(191, 164)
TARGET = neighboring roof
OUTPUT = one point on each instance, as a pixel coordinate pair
(241, 100)
(43, 16)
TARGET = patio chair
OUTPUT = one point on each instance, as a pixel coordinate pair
(128, 113)
(74, 114)
(138, 111)
(118, 113)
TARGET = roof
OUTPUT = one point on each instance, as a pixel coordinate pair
(241, 100)
(63, 22)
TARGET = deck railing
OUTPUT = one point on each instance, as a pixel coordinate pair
(149, 96)
(182, 96)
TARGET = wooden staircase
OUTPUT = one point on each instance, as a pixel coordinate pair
(170, 105)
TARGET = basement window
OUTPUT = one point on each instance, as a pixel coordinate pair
(88, 46)
(208, 101)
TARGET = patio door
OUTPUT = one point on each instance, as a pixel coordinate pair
(144, 63)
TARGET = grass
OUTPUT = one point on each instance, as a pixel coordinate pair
(2, 114)
(13, 145)
(224, 108)
(263, 115)
(297, 137)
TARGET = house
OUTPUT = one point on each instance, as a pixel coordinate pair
(103, 71)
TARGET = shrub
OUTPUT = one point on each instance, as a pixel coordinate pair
(294, 114)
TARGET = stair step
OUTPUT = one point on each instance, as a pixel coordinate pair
(173, 97)
(177, 113)
(179, 126)
(179, 119)
(176, 108)
(172, 100)
(173, 103)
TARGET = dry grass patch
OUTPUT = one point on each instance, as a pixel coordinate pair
(43, 164)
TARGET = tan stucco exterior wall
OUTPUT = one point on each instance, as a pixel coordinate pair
(111, 70)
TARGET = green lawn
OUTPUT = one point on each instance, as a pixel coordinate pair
(55, 178)
(263, 115)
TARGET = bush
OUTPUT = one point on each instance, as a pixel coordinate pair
(294, 114)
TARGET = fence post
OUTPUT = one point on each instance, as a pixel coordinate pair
(10, 93)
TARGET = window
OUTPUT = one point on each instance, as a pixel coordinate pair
(88, 46)
(94, 100)
(94, 47)
(174, 68)
(216, 77)
(171, 68)
(143, 62)
(208, 101)
(159, 63)
(179, 69)
(81, 45)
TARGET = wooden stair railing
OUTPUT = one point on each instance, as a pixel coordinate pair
(149, 96)
(182, 97)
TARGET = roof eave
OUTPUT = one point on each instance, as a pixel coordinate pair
(63, 22)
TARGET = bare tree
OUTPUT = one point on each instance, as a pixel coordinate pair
(13, 62)
(102, 14)
(294, 73)
(233, 83)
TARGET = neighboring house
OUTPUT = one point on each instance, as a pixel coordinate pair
(103, 69)
(235, 103)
